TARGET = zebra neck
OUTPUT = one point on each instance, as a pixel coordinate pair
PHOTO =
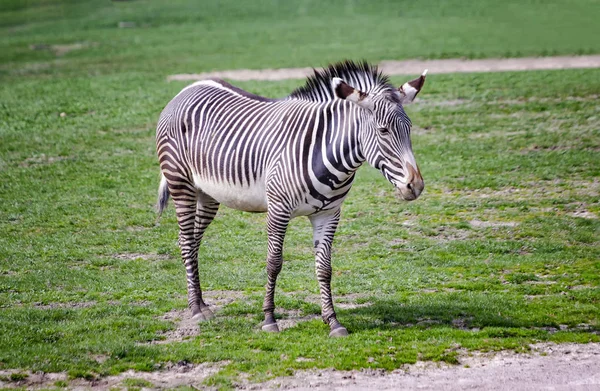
(336, 143)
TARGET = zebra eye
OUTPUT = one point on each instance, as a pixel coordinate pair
(384, 131)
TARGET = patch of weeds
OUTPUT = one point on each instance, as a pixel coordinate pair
(15, 377)
(81, 374)
(449, 358)
(136, 382)
(222, 379)
(519, 278)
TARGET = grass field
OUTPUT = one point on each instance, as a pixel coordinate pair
(501, 250)
(184, 36)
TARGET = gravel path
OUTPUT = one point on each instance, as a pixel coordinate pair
(412, 67)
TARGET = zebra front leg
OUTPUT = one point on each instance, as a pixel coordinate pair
(194, 214)
(277, 222)
(324, 226)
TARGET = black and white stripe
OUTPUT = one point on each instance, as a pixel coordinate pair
(296, 156)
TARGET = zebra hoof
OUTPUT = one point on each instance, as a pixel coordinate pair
(270, 328)
(198, 317)
(208, 314)
(339, 332)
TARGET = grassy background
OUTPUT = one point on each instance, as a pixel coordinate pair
(189, 36)
(497, 253)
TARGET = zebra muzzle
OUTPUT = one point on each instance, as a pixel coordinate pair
(414, 185)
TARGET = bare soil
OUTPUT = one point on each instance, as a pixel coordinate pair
(548, 367)
(145, 257)
(185, 326)
(42, 159)
(61, 50)
(414, 67)
(490, 224)
(181, 374)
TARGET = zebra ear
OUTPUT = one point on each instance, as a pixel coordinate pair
(347, 92)
(410, 89)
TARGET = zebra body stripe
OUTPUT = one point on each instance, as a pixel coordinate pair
(230, 158)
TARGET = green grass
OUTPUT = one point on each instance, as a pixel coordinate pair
(515, 150)
(189, 36)
(494, 255)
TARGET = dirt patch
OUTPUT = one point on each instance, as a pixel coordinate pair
(444, 234)
(533, 190)
(413, 67)
(463, 323)
(52, 306)
(442, 103)
(218, 299)
(136, 228)
(553, 148)
(399, 242)
(172, 376)
(185, 328)
(99, 358)
(145, 257)
(583, 213)
(548, 366)
(42, 159)
(492, 224)
(61, 50)
(351, 306)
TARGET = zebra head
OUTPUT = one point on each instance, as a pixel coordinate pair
(385, 135)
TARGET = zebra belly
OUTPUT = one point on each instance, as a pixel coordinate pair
(307, 208)
(247, 198)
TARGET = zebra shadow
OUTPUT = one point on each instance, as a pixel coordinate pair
(468, 315)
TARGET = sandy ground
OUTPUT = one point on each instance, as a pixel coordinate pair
(415, 67)
(549, 367)
(181, 374)
(572, 367)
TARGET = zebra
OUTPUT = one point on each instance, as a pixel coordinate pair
(295, 156)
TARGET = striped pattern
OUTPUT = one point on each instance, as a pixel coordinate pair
(296, 156)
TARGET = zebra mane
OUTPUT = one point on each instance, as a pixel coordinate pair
(363, 76)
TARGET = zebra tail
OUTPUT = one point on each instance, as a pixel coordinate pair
(163, 195)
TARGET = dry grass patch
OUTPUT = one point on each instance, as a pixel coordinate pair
(492, 224)
(69, 305)
(185, 327)
(145, 257)
(43, 159)
(61, 50)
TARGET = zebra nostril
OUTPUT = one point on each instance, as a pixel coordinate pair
(409, 186)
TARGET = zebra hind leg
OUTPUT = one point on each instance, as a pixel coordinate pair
(324, 226)
(195, 211)
(277, 222)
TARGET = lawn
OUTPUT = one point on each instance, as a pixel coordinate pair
(501, 250)
(182, 36)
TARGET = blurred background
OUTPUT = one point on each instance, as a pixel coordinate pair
(39, 36)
